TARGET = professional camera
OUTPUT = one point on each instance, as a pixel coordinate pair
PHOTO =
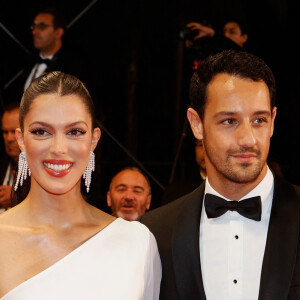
(187, 34)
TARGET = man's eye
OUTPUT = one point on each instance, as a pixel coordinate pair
(76, 131)
(259, 120)
(40, 132)
(228, 122)
(137, 191)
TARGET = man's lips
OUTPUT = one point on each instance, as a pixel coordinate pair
(57, 168)
(127, 206)
(245, 157)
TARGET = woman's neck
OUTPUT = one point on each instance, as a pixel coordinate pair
(56, 210)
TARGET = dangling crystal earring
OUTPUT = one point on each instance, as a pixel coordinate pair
(23, 169)
(87, 175)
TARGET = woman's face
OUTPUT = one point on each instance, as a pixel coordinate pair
(57, 139)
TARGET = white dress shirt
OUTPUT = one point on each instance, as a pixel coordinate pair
(37, 70)
(232, 248)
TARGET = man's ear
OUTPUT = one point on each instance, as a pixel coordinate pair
(59, 32)
(148, 201)
(244, 38)
(196, 123)
(20, 139)
(274, 112)
(108, 200)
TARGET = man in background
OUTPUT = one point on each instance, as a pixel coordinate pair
(50, 54)
(8, 163)
(47, 29)
(129, 194)
(233, 30)
(187, 184)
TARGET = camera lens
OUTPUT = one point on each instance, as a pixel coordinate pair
(187, 34)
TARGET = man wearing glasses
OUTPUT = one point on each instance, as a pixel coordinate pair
(47, 29)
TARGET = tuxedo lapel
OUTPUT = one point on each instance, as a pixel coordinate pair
(281, 246)
(185, 249)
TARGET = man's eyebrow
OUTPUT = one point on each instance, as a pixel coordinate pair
(124, 185)
(120, 185)
(138, 187)
(232, 113)
(225, 113)
(263, 112)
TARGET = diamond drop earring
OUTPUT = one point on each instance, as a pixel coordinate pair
(87, 175)
(23, 169)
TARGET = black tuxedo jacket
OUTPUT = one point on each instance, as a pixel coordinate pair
(65, 60)
(4, 162)
(176, 229)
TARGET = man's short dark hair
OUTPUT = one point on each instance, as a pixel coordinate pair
(8, 108)
(241, 23)
(12, 106)
(236, 63)
(59, 20)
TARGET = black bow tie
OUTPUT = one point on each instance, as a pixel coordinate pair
(249, 208)
(43, 60)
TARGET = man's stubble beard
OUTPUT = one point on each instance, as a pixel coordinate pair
(237, 173)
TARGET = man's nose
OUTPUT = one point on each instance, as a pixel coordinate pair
(246, 136)
(129, 195)
(11, 136)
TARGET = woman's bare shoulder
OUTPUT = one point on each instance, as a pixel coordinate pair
(12, 216)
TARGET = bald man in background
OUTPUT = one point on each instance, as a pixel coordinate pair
(129, 194)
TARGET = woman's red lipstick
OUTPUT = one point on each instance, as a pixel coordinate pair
(57, 168)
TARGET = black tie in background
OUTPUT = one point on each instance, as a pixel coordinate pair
(43, 60)
(216, 206)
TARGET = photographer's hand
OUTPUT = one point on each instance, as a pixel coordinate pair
(202, 30)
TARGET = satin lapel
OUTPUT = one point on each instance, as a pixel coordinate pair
(185, 249)
(281, 245)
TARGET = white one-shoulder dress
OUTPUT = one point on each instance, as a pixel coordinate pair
(121, 262)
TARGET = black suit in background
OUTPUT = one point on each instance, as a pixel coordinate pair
(4, 162)
(176, 229)
(66, 60)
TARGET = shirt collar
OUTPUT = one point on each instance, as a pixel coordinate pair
(264, 189)
(48, 57)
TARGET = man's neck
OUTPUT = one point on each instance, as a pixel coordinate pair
(234, 190)
(51, 51)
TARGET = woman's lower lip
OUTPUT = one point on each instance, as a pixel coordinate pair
(57, 173)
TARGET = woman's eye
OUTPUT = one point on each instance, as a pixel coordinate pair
(75, 132)
(40, 132)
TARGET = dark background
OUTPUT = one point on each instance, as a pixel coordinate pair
(141, 69)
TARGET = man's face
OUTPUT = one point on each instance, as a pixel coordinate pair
(129, 196)
(200, 154)
(10, 121)
(44, 34)
(236, 130)
(233, 31)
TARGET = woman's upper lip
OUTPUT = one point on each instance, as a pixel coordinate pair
(57, 161)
